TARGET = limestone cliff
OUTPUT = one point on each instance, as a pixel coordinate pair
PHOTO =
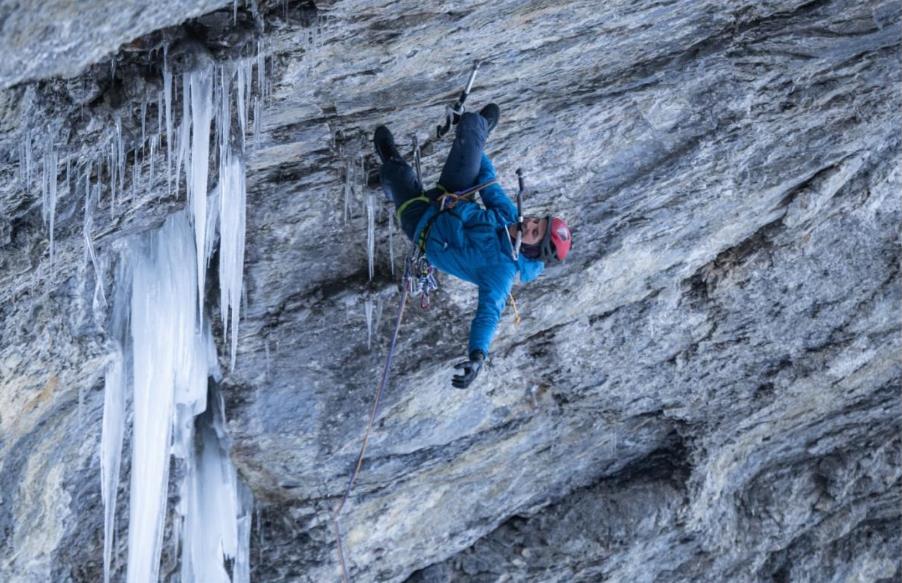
(707, 390)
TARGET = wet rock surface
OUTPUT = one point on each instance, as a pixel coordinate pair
(708, 389)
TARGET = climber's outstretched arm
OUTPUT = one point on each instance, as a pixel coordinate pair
(494, 287)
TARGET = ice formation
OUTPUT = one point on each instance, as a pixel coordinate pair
(371, 234)
(143, 120)
(368, 312)
(153, 151)
(217, 509)
(167, 96)
(168, 355)
(173, 356)
(115, 384)
(48, 190)
(201, 83)
(232, 205)
(168, 358)
(90, 201)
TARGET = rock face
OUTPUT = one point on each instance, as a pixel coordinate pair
(707, 390)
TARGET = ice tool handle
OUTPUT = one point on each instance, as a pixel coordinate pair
(521, 189)
(453, 112)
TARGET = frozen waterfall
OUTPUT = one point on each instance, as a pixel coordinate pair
(169, 357)
(164, 344)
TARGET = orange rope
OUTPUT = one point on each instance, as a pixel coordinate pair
(517, 319)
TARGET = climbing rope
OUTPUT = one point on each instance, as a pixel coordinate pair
(336, 513)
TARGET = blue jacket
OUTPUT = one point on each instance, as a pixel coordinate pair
(472, 243)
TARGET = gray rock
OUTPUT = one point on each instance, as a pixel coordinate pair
(60, 38)
(706, 390)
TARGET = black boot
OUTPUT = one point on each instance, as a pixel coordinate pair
(385, 145)
(491, 113)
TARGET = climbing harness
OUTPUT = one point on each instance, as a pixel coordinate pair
(447, 200)
(419, 278)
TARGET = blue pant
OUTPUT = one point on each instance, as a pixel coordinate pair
(399, 180)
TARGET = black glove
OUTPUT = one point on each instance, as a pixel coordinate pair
(470, 370)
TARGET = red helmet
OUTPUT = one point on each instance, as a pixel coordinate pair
(557, 240)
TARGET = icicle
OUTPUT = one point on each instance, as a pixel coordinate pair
(242, 83)
(167, 95)
(135, 176)
(261, 70)
(120, 155)
(368, 312)
(224, 132)
(184, 152)
(258, 123)
(348, 192)
(153, 150)
(261, 93)
(44, 188)
(378, 315)
(113, 165)
(160, 128)
(143, 120)
(201, 112)
(99, 301)
(89, 239)
(217, 508)
(224, 121)
(170, 366)
(234, 12)
(248, 93)
(113, 428)
(371, 233)
(111, 452)
(232, 212)
(242, 570)
(48, 191)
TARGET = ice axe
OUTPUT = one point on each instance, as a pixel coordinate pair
(522, 189)
(453, 112)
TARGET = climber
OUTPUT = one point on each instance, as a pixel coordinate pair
(467, 241)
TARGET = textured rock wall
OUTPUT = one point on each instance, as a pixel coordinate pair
(707, 390)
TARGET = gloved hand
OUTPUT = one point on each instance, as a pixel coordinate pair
(470, 370)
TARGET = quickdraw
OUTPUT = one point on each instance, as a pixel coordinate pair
(419, 277)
